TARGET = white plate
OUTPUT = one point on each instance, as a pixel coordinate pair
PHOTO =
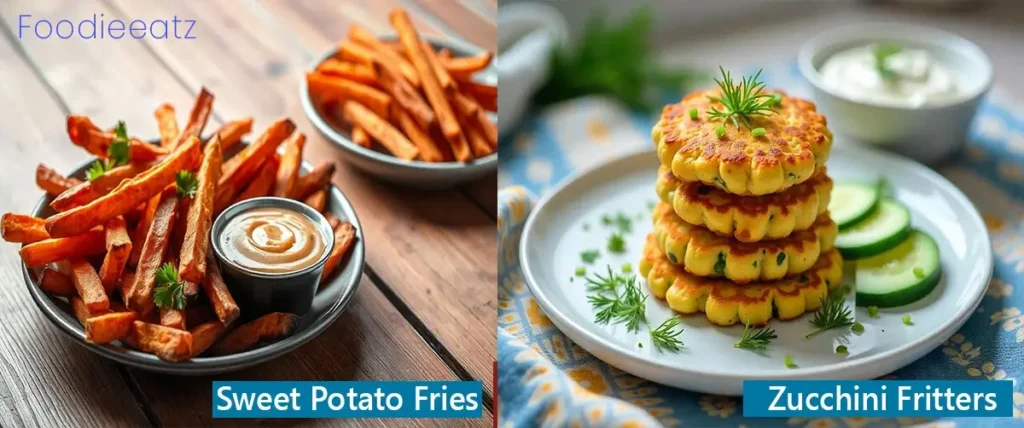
(554, 236)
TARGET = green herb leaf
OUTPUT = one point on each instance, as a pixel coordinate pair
(755, 340)
(720, 264)
(186, 184)
(616, 243)
(589, 256)
(170, 292)
(666, 336)
(882, 52)
(857, 327)
(627, 268)
(580, 271)
(788, 360)
(740, 102)
(833, 313)
(873, 311)
(117, 153)
(758, 132)
(906, 320)
(623, 223)
(841, 349)
(96, 170)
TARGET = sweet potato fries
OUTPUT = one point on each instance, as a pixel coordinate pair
(129, 248)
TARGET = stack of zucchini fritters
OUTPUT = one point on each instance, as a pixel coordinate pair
(742, 232)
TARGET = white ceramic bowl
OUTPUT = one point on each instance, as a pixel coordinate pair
(929, 133)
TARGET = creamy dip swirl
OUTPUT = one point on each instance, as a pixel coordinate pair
(272, 240)
(913, 78)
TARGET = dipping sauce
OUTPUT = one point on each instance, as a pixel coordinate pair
(891, 76)
(272, 240)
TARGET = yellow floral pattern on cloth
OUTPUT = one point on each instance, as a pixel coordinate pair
(544, 379)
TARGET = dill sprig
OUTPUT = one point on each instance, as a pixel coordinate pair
(833, 313)
(629, 307)
(741, 101)
(755, 340)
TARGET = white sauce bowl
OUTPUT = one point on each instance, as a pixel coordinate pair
(928, 133)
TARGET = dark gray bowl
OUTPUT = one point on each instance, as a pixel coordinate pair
(328, 304)
(417, 174)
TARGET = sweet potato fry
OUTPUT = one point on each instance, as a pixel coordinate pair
(464, 67)
(262, 183)
(225, 194)
(316, 179)
(381, 130)
(167, 123)
(197, 118)
(383, 53)
(199, 313)
(318, 200)
(231, 133)
(486, 95)
(429, 151)
(435, 94)
(56, 283)
(52, 182)
(173, 318)
(85, 134)
(291, 163)
(332, 220)
(204, 335)
(108, 327)
(154, 249)
(489, 129)
(218, 294)
(443, 78)
(464, 105)
(118, 248)
(81, 312)
(344, 237)
(191, 289)
(126, 196)
(200, 216)
(349, 50)
(270, 327)
(42, 253)
(125, 284)
(22, 228)
(87, 282)
(477, 141)
(405, 96)
(169, 344)
(238, 170)
(361, 73)
(336, 88)
(88, 191)
(142, 229)
(360, 137)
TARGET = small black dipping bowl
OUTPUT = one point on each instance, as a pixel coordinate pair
(261, 292)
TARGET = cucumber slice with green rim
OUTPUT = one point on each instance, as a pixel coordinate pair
(852, 202)
(900, 276)
(884, 228)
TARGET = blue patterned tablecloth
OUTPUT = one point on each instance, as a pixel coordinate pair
(544, 379)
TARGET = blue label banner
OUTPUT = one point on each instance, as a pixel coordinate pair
(310, 399)
(877, 398)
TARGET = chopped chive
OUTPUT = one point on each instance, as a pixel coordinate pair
(776, 99)
(693, 113)
(788, 360)
(841, 349)
(873, 311)
(580, 271)
(780, 258)
(627, 267)
(616, 243)
(919, 273)
(906, 320)
(639, 345)
(589, 256)
(758, 132)
(857, 327)
(720, 264)
(720, 130)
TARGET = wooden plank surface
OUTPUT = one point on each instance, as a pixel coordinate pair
(45, 379)
(350, 350)
(463, 20)
(432, 253)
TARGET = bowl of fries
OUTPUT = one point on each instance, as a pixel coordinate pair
(116, 253)
(408, 109)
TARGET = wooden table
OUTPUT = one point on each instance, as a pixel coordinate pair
(425, 307)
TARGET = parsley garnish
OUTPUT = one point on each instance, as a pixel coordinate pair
(755, 340)
(589, 256)
(186, 183)
(739, 102)
(833, 313)
(616, 243)
(170, 292)
(629, 307)
(117, 153)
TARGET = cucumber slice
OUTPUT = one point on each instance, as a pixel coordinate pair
(884, 228)
(853, 202)
(900, 276)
